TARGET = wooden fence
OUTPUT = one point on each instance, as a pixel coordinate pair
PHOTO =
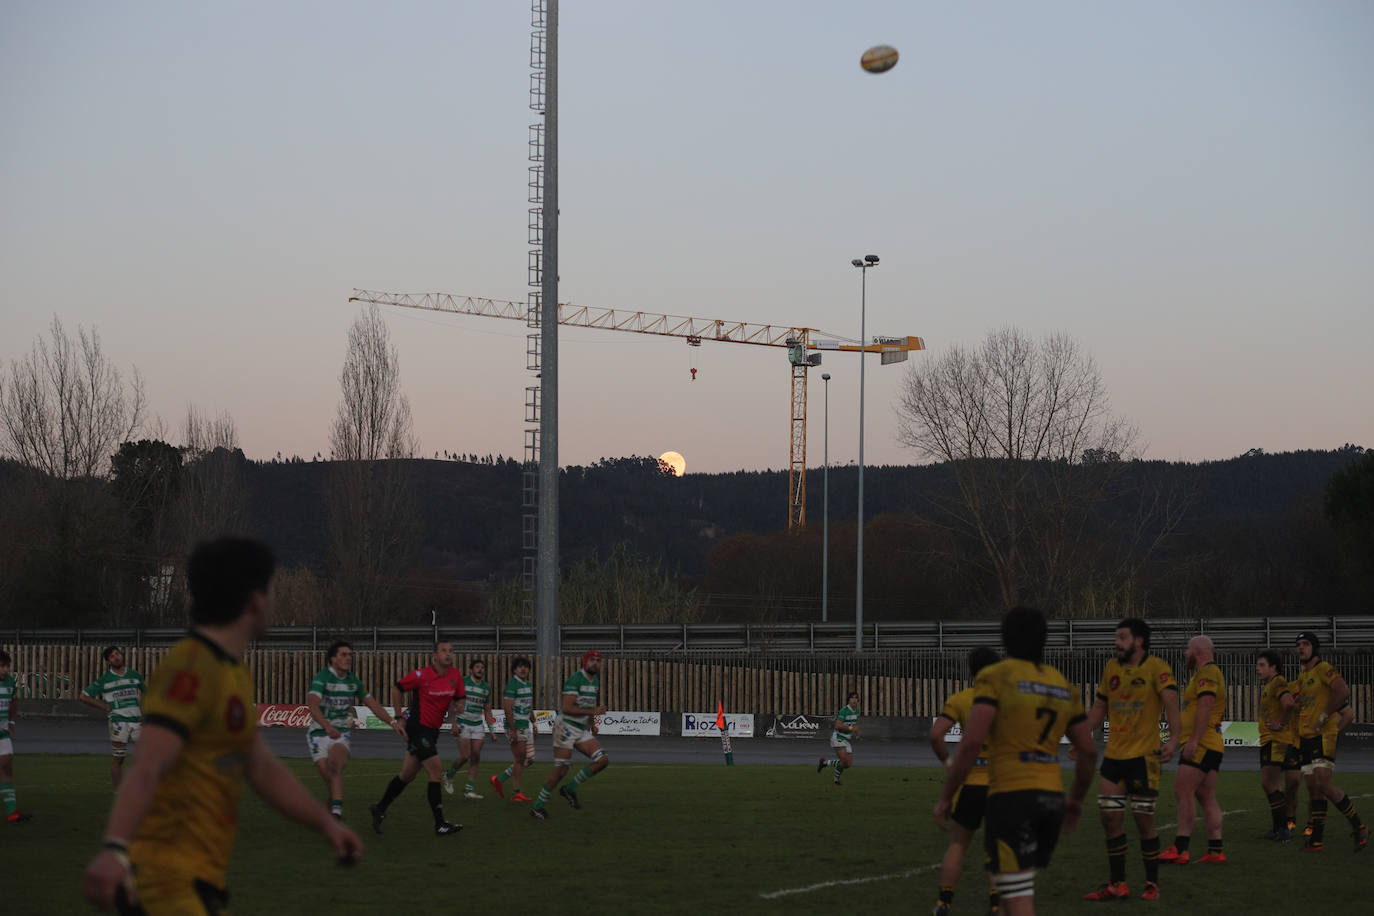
(893, 684)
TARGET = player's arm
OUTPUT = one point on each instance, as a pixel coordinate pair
(976, 731)
(1096, 715)
(1085, 763)
(94, 700)
(312, 703)
(1340, 695)
(487, 715)
(1201, 716)
(508, 706)
(570, 708)
(938, 730)
(1175, 720)
(158, 751)
(275, 785)
(380, 712)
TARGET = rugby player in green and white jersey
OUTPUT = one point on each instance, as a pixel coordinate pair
(575, 728)
(119, 693)
(8, 707)
(472, 726)
(331, 698)
(842, 737)
(518, 702)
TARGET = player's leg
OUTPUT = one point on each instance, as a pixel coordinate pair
(1292, 789)
(1187, 786)
(474, 756)
(565, 737)
(597, 761)
(7, 793)
(1111, 809)
(1144, 793)
(1337, 796)
(1211, 814)
(334, 765)
(434, 769)
(398, 783)
(516, 770)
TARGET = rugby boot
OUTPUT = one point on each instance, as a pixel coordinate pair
(446, 829)
(1117, 891)
(820, 766)
(521, 797)
(539, 813)
(1151, 891)
(378, 815)
(471, 794)
(941, 909)
(447, 780)
(1285, 834)
(1362, 837)
(498, 786)
(570, 796)
(1172, 856)
(1313, 845)
(1214, 858)
(18, 817)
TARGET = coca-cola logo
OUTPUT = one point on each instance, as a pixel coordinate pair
(275, 714)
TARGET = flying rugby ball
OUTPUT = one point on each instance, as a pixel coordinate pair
(879, 59)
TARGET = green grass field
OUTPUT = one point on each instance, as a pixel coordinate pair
(661, 838)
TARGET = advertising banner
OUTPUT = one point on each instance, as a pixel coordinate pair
(279, 715)
(630, 723)
(799, 726)
(1233, 734)
(703, 725)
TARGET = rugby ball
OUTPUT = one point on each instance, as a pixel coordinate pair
(879, 59)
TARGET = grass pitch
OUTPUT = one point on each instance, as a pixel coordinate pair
(672, 839)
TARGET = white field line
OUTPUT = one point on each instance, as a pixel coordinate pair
(920, 869)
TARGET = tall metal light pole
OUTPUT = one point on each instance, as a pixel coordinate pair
(869, 260)
(825, 524)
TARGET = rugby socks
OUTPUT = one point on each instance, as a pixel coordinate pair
(336, 807)
(393, 789)
(7, 795)
(467, 787)
(1181, 842)
(1347, 807)
(1214, 847)
(1149, 851)
(510, 771)
(543, 798)
(1277, 804)
(994, 900)
(582, 776)
(839, 768)
(947, 895)
(436, 803)
(1116, 857)
(453, 770)
(1318, 818)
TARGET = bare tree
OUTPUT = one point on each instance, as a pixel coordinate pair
(66, 408)
(373, 514)
(213, 497)
(1036, 454)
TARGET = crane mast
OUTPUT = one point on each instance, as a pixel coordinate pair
(799, 341)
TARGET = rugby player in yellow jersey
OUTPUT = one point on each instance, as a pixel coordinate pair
(1135, 686)
(1204, 706)
(971, 799)
(1021, 708)
(176, 815)
(1278, 735)
(1322, 695)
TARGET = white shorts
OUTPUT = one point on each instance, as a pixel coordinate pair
(124, 733)
(6, 747)
(472, 732)
(522, 736)
(320, 745)
(568, 734)
(838, 742)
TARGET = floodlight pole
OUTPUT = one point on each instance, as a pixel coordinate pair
(869, 260)
(546, 590)
(825, 512)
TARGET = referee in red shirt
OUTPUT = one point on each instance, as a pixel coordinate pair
(432, 690)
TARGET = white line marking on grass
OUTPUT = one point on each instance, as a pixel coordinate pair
(850, 881)
(1223, 814)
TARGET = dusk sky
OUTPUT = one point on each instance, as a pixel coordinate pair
(1186, 188)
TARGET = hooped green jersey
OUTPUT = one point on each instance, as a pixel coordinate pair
(8, 685)
(847, 717)
(521, 695)
(478, 696)
(124, 692)
(337, 693)
(587, 689)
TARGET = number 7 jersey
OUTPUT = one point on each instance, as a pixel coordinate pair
(1035, 706)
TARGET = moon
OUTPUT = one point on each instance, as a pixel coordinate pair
(675, 462)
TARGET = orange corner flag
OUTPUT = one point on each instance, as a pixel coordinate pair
(720, 716)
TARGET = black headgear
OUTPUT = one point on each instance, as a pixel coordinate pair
(1312, 638)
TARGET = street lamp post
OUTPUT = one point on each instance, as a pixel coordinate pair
(825, 512)
(869, 260)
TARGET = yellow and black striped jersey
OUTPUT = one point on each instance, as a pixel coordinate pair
(1035, 706)
(1271, 710)
(1206, 681)
(1134, 696)
(956, 709)
(1314, 695)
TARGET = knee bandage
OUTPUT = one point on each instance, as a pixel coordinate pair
(1110, 804)
(1018, 884)
(598, 755)
(1141, 804)
(564, 762)
(120, 751)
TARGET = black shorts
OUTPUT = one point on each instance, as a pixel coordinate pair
(1278, 754)
(1022, 829)
(1206, 760)
(969, 804)
(1316, 747)
(1139, 775)
(422, 743)
(199, 897)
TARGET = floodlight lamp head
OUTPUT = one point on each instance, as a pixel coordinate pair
(857, 263)
(825, 376)
(871, 258)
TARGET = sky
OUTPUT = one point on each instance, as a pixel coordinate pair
(1183, 187)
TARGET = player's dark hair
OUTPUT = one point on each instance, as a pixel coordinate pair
(108, 651)
(4, 657)
(850, 695)
(980, 658)
(1138, 628)
(223, 574)
(520, 660)
(1272, 657)
(1023, 633)
(477, 661)
(334, 648)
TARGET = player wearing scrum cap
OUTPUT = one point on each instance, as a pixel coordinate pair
(1322, 696)
(575, 728)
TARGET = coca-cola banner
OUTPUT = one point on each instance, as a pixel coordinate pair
(799, 726)
(277, 714)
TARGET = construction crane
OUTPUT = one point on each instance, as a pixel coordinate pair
(797, 341)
